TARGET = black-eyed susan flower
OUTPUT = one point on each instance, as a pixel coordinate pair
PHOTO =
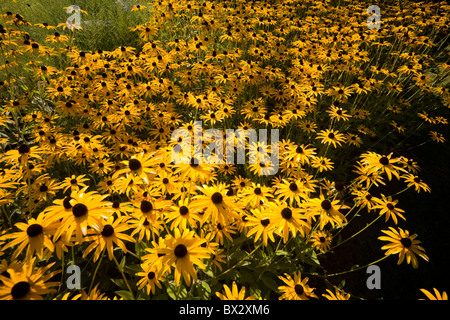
(35, 236)
(22, 154)
(181, 215)
(109, 232)
(217, 205)
(300, 154)
(389, 207)
(322, 163)
(84, 210)
(151, 278)
(326, 210)
(437, 295)
(74, 183)
(377, 163)
(338, 294)
(233, 293)
(404, 244)
(287, 220)
(296, 288)
(138, 167)
(414, 180)
(321, 240)
(260, 225)
(256, 195)
(329, 137)
(182, 251)
(30, 283)
(291, 189)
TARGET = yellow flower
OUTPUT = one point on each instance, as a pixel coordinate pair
(30, 283)
(338, 294)
(35, 235)
(234, 293)
(296, 288)
(404, 244)
(437, 295)
(182, 251)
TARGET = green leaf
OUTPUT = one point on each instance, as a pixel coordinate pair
(269, 282)
(126, 295)
(176, 293)
(132, 269)
(281, 253)
(119, 282)
(122, 263)
(314, 257)
(204, 290)
(246, 277)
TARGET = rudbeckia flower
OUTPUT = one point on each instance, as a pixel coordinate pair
(29, 283)
(404, 244)
(182, 251)
(233, 293)
(35, 235)
(109, 232)
(296, 288)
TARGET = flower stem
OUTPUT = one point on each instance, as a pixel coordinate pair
(95, 272)
(356, 233)
(124, 278)
(356, 269)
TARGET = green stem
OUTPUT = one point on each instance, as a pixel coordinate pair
(356, 233)
(96, 269)
(356, 269)
(240, 261)
(124, 277)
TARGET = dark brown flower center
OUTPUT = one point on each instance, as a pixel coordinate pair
(23, 148)
(406, 242)
(217, 198)
(184, 210)
(108, 230)
(66, 203)
(20, 289)
(299, 289)
(384, 161)
(146, 206)
(34, 230)
(326, 205)
(265, 222)
(134, 164)
(293, 187)
(180, 251)
(79, 210)
(286, 213)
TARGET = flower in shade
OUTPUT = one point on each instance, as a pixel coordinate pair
(338, 294)
(437, 295)
(234, 293)
(296, 288)
(403, 244)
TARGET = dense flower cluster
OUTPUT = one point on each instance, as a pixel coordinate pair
(87, 174)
